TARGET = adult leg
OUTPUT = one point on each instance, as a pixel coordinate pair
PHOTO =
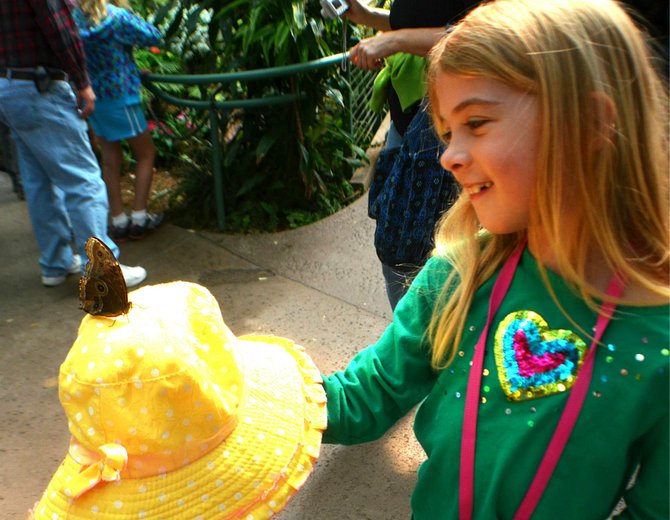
(19, 112)
(397, 282)
(48, 217)
(9, 159)
(393, 279)
(53, 135)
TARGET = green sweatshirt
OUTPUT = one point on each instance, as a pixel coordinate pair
(623, 423)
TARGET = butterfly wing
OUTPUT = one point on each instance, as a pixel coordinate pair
(102, 289)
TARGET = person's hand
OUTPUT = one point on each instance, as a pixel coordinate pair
(357, 12)
(368, 54)
(85, 102)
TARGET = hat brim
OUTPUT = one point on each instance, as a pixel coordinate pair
(251, 474)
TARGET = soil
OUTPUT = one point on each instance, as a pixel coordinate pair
(161, 186)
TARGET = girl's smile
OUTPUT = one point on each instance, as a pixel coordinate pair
(491, 132)
(474, 190)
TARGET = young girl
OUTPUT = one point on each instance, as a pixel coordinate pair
(109, 33)
(536, 337)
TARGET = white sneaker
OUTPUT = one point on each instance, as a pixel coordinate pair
(133, 275)
(53, 281)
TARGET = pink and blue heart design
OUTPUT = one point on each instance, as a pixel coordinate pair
(534, 360)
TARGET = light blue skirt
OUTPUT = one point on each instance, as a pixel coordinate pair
(115, 122)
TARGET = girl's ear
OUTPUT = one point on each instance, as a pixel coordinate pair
(603, 119)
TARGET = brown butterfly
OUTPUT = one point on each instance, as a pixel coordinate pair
(102, 289)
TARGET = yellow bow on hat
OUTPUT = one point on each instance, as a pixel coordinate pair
(114, 458)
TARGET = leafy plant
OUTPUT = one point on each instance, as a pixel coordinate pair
(283, 165)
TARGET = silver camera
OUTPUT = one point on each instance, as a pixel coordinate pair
(332, 9)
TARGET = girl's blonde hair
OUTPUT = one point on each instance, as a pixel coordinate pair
(96, 10)
(591, 69)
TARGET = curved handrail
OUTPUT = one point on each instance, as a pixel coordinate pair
(247, 75)
(212, 105)
(225, 105)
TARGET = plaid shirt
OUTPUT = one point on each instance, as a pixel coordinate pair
(41, 32)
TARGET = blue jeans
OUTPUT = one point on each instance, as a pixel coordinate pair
(393, 138)
(64, 190)
(395, 280)
(398, 279)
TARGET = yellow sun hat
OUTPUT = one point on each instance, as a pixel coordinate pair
(172, 416)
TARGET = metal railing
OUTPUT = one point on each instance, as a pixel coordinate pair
(361, 121)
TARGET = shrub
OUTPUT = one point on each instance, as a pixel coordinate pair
(284, 165)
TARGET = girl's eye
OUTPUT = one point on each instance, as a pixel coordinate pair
(474, 124)
(446, 138)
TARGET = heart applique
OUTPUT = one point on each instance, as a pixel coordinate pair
(532, 359)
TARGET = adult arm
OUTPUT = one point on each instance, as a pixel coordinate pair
(369, 53)
(362, 14)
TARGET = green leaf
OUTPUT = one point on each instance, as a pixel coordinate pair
(250, 182)
(299, 19)
(264, 145)
(193, 19)
(175, 24)
(162, 12)
(281, 36)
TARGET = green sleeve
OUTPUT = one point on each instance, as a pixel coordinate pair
(648, 497)
(385, 380)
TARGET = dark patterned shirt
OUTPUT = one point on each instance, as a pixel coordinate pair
(41, 32)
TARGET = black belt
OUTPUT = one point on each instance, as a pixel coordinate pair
(30, 74)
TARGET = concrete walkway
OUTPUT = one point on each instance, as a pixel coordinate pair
(319, 285)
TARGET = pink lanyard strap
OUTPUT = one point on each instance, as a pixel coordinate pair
(568, 417)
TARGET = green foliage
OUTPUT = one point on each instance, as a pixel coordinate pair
(284, 165)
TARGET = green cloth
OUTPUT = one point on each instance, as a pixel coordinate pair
(407, 74)
(623, 423)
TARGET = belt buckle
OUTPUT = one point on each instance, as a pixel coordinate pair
(42, 79)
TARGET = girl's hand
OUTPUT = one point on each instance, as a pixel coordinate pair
(368, 54)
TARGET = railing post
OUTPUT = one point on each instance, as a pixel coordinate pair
(346, 69)
(349, 97)
(216, 167)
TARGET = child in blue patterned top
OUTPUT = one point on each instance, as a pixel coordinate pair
(109, 33)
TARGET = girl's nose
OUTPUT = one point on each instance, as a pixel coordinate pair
(454, 158)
